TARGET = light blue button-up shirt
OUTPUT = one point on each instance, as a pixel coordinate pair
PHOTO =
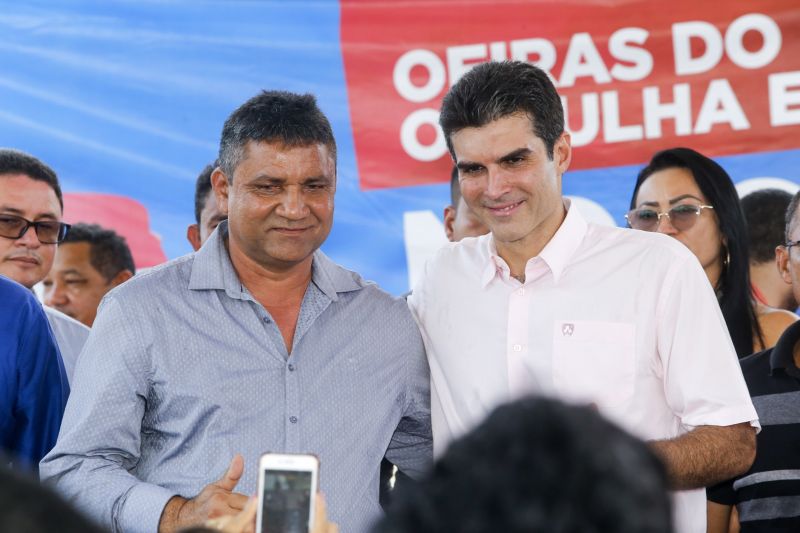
(183, 369)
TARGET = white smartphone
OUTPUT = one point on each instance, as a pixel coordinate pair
(287, 488)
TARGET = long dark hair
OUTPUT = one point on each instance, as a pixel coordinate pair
(733, 289)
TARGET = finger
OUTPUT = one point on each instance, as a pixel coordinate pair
(320, 514)
(237, 502)
(247, 517)
(231, 477)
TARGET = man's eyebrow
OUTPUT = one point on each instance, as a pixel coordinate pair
(7, 209)
(266, 177)
(519, 152)
(70, 271)
(466, 165)
(319, 178)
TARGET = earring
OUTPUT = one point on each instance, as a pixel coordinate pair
(727, 260)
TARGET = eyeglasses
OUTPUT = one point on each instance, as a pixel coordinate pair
(788, 245)
(682, 217)
(47, 231)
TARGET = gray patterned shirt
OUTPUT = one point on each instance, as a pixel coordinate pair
(183, 369)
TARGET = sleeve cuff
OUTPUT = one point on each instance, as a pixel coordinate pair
(727, 416)
(142, 509)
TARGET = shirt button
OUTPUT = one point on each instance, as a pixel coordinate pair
(293, 419)
(266, 319)
(291, 367)
(517, 347)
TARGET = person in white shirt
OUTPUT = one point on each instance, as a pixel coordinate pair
(549, 304)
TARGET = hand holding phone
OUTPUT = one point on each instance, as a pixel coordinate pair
(287, 489)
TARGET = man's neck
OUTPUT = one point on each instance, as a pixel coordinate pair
(270, 285)
(517, 253)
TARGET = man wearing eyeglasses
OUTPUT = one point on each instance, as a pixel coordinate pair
(551, 304)
(767, 496)
(31, 206)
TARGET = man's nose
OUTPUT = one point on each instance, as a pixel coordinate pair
(29, 239)
(497, 184)
(293, 204)
(55, 295)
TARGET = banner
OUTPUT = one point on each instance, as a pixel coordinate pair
(721, 78)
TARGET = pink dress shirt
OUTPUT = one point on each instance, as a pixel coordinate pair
(623, 319)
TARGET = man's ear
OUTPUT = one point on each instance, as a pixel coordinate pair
(449, 220)
(562, 152)
(193, 236)
(121, 277)
(782, 262)
(220, 185)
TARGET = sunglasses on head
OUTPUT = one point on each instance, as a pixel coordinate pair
(682, 217)
(47, 231)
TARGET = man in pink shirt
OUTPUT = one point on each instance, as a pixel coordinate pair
(550, 304)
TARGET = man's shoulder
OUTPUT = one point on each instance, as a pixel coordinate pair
(17, 303)
(756, 366)
(470, 253)
(345, 280)
(167, 276)
(649, 243)
(13, 293)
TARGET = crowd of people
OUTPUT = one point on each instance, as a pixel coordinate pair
(545, 374)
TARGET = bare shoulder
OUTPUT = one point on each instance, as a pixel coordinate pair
(773, 323)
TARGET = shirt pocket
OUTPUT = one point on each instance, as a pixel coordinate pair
(594, 362)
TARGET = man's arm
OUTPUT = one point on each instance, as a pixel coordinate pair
(411, 447)
(100, 440)
(707, 455)
(41, 387)
(99, 443)
(703, 383)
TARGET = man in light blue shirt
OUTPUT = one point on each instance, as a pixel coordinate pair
(255, 343)
(33, 384)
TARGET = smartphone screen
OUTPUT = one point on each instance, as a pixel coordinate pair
(286, 500)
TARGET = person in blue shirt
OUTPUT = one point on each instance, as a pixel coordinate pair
(33, 383)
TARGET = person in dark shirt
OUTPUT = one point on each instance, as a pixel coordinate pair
(767, 497)
(33, 383)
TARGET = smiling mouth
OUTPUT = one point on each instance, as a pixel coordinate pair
(504, 210)
(291, 231)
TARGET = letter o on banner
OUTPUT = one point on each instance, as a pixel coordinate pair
(734, 39)
(402, 75)
(410, 141)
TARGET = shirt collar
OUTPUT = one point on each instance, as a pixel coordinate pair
(782, 356)
(212, 269)
(556, 253)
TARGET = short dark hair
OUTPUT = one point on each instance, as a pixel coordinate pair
(17, 162)
(273, 116)
(202, 189)
(27, 507)
(733, 289)
(494, 90)
(790, 213)
(455, 188)
(530, 467)
(764, 211)
(108, 251)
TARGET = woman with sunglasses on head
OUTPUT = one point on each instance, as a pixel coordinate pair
(686, 195)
